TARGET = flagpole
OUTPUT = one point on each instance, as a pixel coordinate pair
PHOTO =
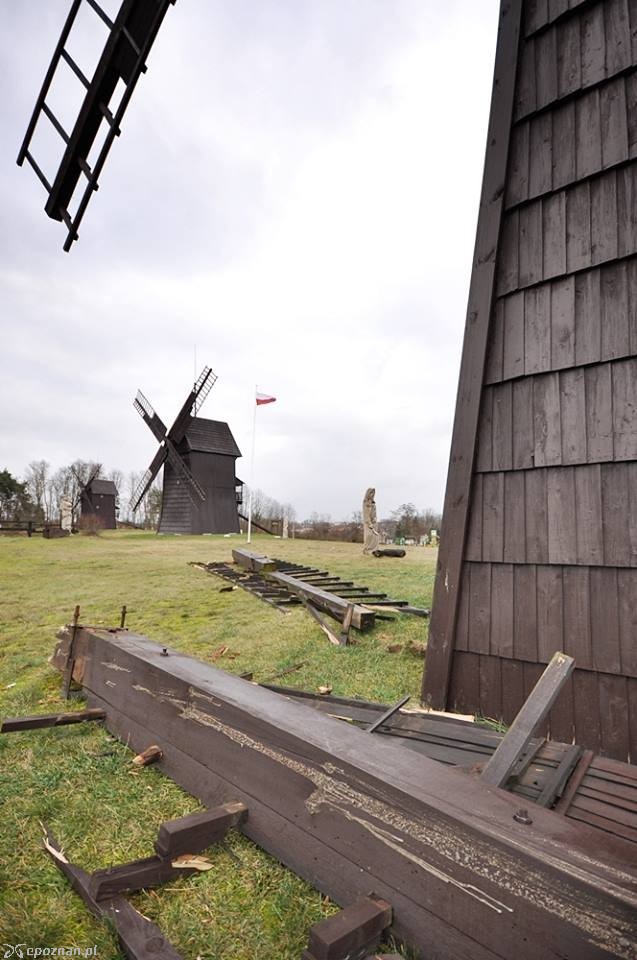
(254, 432)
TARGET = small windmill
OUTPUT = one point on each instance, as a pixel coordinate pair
(198, 456)
(97, 500)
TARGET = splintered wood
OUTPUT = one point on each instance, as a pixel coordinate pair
(351, 813)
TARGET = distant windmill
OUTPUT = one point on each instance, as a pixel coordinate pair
(200, 489)
(97, 500)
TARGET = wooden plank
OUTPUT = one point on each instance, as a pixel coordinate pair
(603, 192)
(525, 96)
(537, 329)
(631, 113)
(577, 621)
(562, 526)
(362, 618)
(131, 877)
(615, 500)
(540, 144)
(318, 791)
(536, 516)
(546, 420)
(586, 710)
(578, 227)
(461, 638)
(569, 57)
(484, 452)
(513, 354)
(589, 514)
(138, 937)
(593, 45)
(564, 147)
(614, 122)
(512, 689)
(554, 235)
(464, 689)
(599, 411)
(588, 334)
(624, 381)
(518, 175)
(12, 724)
(514, 518)
(490, 705)
(613, 716)
(614, 316)
(502, 436)
(525, 613)
(631, 282)
(530, 245)
(627, 589)
(550, 635)
(534, 711)
(546, 67)
(197, 831)
(251, 560)
(359, 926)
(605, 619)
(495, 351)
(627, 210)
(508, 255)
(573, 416)
(617, 36)
(563, 323)
(523, 441)
(479, 607)
(588, 139)
(493, 516)
(474, 537)
(501, 640)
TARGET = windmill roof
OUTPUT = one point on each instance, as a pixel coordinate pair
(103, 487)
(211, 436)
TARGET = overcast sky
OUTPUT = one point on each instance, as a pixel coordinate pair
(295, 194)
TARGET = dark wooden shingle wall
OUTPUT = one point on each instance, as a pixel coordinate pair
(544, 520)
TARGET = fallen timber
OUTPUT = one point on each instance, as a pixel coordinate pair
(351, 813)
(594, 789)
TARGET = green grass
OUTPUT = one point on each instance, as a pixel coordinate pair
(80, 781)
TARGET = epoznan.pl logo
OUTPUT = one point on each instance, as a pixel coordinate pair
(21, 950)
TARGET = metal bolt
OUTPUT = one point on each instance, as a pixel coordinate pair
(522, 816)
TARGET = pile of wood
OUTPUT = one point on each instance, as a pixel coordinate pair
(467, 871)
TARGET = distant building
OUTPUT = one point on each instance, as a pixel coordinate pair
(98, 504)
(209, 451)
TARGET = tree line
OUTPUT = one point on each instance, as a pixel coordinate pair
(38, 496)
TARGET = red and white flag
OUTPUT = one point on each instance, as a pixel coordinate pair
(264, 398)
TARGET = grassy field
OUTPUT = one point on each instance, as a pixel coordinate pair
(81, 782)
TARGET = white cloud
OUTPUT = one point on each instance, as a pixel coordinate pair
(295, 192)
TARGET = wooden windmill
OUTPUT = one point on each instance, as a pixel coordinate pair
(200, 490)
(97, 500)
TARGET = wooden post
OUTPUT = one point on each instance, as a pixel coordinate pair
(535, 709)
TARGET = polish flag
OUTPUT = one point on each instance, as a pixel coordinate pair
(264, 398)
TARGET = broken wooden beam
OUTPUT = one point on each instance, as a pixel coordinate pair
(536, 708)
(250, 560)
(197, 831)
(139, 938)
(362, 619)
(351, 932)
(351, 813)
(137, 875)
(13, 724)
(320, 619)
